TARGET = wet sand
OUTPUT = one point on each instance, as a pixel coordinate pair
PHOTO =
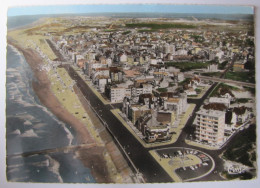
(92, 157)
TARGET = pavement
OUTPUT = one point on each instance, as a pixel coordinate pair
(184, 164)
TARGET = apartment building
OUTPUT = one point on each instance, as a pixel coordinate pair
(117, 94)
(210, 125)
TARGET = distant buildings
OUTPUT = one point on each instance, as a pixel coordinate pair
(130, 67)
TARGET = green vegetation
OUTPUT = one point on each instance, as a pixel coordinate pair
(126, 32)
(162, 90)
(212, 74)
(241, 76)
(160, 25)
(198, 90)
(243, 176)
(241, 150)
(109, 30)
(222, 65)
(187, 66)
(185, 81)
(223, 86)
(171, 84)
(250, 89)
(242, 100)
(147, 30)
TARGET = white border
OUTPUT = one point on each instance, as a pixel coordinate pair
(3, 17)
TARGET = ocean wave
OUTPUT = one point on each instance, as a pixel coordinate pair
(27, 122)
(17, 132)
(39, 125)
(69, 135)
(29, 133)
(45, 163)
(21, 92)
(15, 50)
(12, 170)
(20, 179)
(54, 167)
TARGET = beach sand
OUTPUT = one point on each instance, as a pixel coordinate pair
(92, 157)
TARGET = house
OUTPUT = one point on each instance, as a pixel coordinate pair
(212, 68)
(242, 114)
(239, 66)
(157, 133)
(225, 101)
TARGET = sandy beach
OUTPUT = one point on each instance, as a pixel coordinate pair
(92, 157)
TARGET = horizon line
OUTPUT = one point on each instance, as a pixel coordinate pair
(129, 13)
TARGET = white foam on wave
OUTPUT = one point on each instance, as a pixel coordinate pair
(39, 125)
(17, 52)
(27, 122)
(16, 95)
(45, 163)
(17, 132)
(69, 135)
(54, 167)
(29, 134)
(12, 170)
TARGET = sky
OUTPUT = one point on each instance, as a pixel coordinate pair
(75, 9)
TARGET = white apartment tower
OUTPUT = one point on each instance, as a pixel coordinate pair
(210, 126)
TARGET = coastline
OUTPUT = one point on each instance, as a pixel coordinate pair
(92, 157)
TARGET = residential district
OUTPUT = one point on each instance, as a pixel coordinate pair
(183, 88)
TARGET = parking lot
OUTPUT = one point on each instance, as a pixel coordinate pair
(184, 164)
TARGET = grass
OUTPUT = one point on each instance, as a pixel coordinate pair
(126, 32)
(241, 76)
(250, 89)
(222, 65)
(26, 40)
(160, 25)
(187, 66)
(243, 176)
(242, 100)
(211, 74)
(224, 86)
(241, 150)
(162, 90)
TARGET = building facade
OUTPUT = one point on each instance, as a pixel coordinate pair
(210, 125)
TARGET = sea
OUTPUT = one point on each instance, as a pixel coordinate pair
(31, 127)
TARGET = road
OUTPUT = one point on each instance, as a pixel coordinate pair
(215, 79)
(140, 156)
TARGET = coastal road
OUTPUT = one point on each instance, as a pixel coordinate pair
(140, 156)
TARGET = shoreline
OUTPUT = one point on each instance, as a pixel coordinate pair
(91, 157)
